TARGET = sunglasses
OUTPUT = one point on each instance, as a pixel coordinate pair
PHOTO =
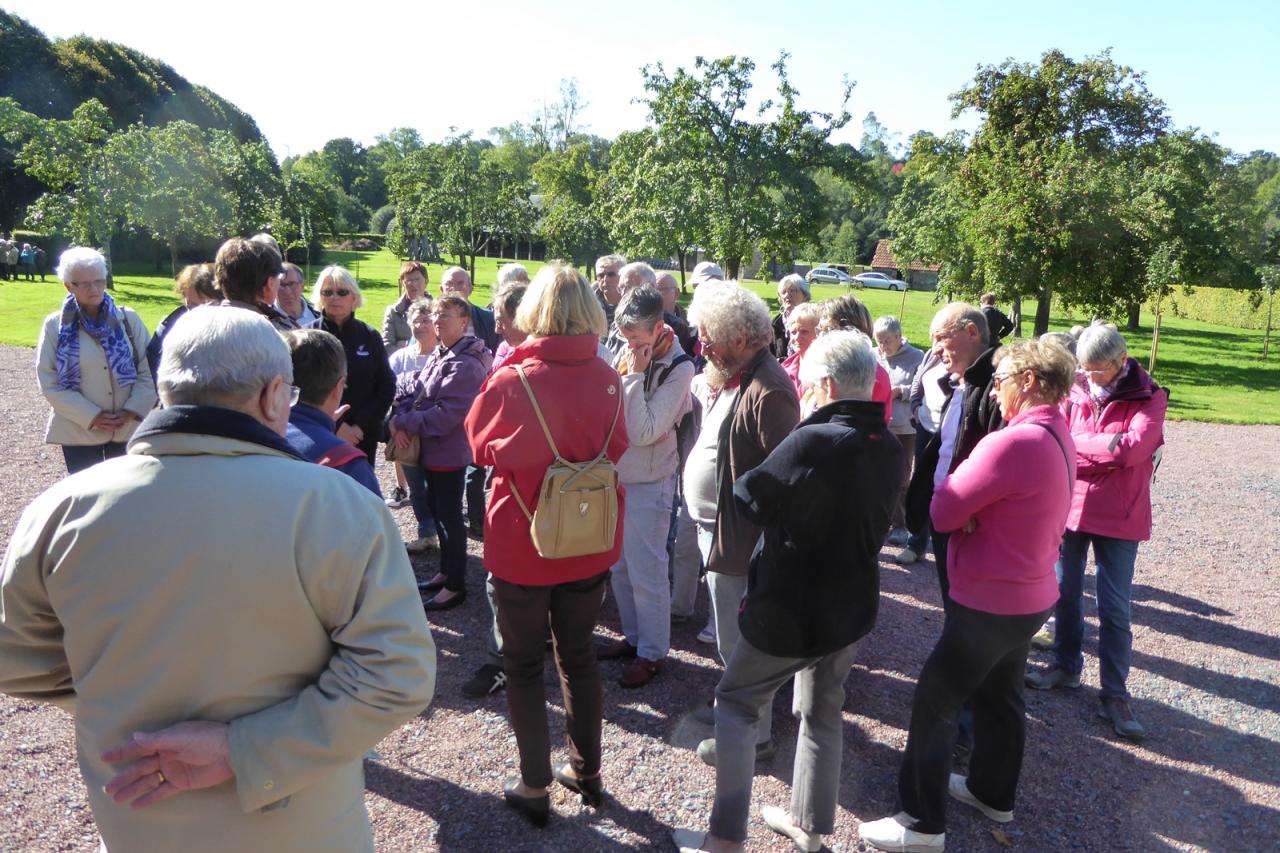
(341, 291)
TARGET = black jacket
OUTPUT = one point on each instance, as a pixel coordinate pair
(371, 386)
(486, 327)
(980, 416)
(823, 496)
(781, 346)
(998, 324)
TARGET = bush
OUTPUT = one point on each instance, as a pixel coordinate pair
(382, 218)
(1221, 306)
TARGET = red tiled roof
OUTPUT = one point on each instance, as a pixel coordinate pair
(884, 258)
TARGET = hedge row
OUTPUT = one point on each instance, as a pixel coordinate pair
(1243, 309)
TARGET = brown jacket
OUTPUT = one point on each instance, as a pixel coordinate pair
(764, 413)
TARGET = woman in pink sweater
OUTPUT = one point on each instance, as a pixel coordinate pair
(1006, 508)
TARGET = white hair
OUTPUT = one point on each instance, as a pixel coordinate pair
(727, 310)
(888, 323)
(846, 356)
(1100, 342)
(214, 354)
(636, 274)
(78, 258)
(508, 273)
(338, 276)
(606, 260)
(798, 281)
(804, 311)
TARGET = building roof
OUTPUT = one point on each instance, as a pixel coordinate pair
(884, 258)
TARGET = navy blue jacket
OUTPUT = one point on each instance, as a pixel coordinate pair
(311, 434)
(823, 497)
(486, 327)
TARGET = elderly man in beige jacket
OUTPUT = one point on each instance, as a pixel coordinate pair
(232, 627)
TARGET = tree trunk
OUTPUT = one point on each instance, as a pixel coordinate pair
(106, 253)
(173, 257)
(731, 267)
(1016, 310)
(680, 256)
(1266, 336)
(1135, 312)
(1044, 303)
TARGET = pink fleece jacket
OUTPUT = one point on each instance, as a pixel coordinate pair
(1017, 485)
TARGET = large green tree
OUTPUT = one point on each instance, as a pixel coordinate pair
(572, 222)
(751, 177)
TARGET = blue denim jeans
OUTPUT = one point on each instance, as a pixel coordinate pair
(416, 478)
(640, 584)
(1114, 559)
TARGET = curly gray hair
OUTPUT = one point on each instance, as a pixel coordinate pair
(728, 311)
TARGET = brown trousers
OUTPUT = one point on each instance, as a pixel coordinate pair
(523, 613)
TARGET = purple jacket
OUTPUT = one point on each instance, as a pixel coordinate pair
(1114, 449)
(443, 393)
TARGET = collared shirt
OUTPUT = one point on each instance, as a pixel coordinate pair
(950, 431)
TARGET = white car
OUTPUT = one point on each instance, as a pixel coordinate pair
(829, 275)
(879, 280)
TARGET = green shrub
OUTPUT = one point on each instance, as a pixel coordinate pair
(1221, 306)
(381, 218)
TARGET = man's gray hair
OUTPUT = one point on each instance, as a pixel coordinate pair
(214, 355)
(727, 310)
(609, 259)
(799, 281)
(80, 258)
(846, 356)
(636, 274)
(1100, 342)
(448, 274)
(888, 323)
(508, 273)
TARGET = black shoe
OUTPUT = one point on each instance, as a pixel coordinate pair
(431, 605)
(430, 586)
(489, 679)
(536, 809)
(591, 790)
(476, 532)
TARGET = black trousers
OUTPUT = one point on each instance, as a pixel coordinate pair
(523, 612)
(982, 656)
(444, 499)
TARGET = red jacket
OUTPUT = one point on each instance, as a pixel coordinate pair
(1114, 449)
(578, 395)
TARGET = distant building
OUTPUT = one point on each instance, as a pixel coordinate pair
(919, 276)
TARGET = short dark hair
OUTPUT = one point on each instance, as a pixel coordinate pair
(319, 363)
(642, 306)
(452, 300)
(242, 266)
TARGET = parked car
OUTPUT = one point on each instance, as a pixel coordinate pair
(879, 280)
(829, 275)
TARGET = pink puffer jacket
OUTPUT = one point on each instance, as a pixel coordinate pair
(1115, 444)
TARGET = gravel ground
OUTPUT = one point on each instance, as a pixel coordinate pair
(1206, 683)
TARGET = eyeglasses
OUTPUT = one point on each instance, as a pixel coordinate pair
(438, 318)
(98, 283)
(608, 274)
(341, 291)
(998, 378)
(284, 282)
(295, 394)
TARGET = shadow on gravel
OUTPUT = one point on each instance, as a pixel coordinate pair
(1263, 695)
(1192, 626)
(1143, 592)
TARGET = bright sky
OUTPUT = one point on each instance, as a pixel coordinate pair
(311, 71)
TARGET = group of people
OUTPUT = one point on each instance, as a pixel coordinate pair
(773, 456)
(20, 260)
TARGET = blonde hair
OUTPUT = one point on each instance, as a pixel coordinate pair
(559, 301)
(802, 312)
(1051, 362)
(339, 276)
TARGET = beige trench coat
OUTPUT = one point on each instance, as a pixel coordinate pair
(208, 578)
(73, 411)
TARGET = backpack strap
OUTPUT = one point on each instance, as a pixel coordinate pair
(1061, 447)
(340, 455)
(666, 371)
(546, 431)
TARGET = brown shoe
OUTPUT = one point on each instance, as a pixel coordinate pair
(617, 650)
(640, 672)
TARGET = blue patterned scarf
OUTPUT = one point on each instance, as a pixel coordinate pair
(108, 330)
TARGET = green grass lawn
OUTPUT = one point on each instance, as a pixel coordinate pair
(1214, 373)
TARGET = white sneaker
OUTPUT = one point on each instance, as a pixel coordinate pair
(688, 840)
(889, 833)
(780, 821)
(422, 545)
(958, 788)
(906, 556)
(708, 634)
